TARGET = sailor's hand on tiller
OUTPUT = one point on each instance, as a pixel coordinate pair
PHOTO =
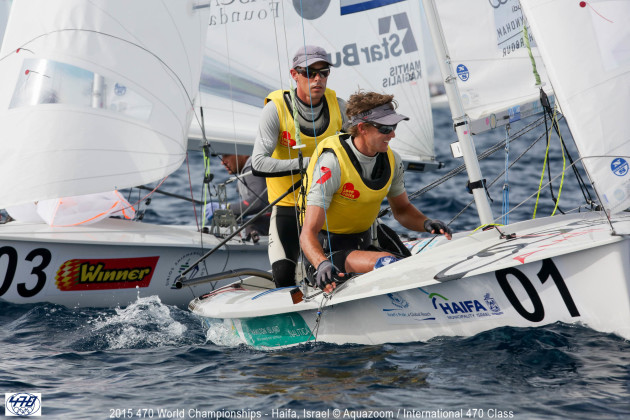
(437, 226)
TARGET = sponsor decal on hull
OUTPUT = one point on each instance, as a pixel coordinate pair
(276, 330)
(538, 296)
(182, 264)
(400, 311)
(100, 274)
(470, 308)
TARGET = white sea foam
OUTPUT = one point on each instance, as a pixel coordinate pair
(144, 323)
(221, 334)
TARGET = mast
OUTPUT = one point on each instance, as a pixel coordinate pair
(98, 87)
(460, 119)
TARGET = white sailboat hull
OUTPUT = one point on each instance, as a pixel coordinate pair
(111, 263)
(562, 269)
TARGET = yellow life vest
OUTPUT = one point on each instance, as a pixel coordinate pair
(355, 205)
(276, 186)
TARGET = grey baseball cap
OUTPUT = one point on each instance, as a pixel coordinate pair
(308, 55)
(383, 114)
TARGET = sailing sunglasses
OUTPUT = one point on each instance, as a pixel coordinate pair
(383, 129)
(323, 73)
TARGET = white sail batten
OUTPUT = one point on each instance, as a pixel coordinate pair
(591, 79)
(97, 95)
(494, 71)
(375, 46)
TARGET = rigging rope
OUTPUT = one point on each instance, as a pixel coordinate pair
(542, 175)
(506, 183)
(531, 55)
(501, 174)
(548, 109)
(488, 152)
(563, 149)
(295, 112)
(564, 166)
(301, 209)
(207, 177)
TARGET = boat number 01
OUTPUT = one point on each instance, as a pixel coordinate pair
(548, 270)
(11, 268)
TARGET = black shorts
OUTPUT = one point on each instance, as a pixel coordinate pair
(338, 246)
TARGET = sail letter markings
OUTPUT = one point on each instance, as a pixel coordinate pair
(390, 46)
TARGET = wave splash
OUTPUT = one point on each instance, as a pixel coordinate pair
(145, 323)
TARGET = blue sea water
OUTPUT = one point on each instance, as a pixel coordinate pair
(150, 360)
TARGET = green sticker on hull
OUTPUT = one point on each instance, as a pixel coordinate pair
(276, 330)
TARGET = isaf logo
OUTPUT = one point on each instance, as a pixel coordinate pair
(22, 404)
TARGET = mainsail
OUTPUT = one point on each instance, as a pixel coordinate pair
(96, 95)
(5, 8)
(587, 54)
(489, 55)
(374, 45)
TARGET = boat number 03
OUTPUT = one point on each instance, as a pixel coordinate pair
(547, 271)
(10, 255)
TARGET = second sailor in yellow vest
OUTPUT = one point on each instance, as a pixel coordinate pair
(357, 199)
(348, 177)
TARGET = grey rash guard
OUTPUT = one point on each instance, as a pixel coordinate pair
(320, 195)
(268, 131)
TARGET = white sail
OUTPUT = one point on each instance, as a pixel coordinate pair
(95, 95)
(488, 53)
(5, 8)
(374, 45)
(586, 48)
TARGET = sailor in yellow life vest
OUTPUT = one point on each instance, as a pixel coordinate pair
(320, 114)
(347, 178)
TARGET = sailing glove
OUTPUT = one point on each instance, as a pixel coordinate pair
(434, 226)
(324, 274)
(210, 209)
